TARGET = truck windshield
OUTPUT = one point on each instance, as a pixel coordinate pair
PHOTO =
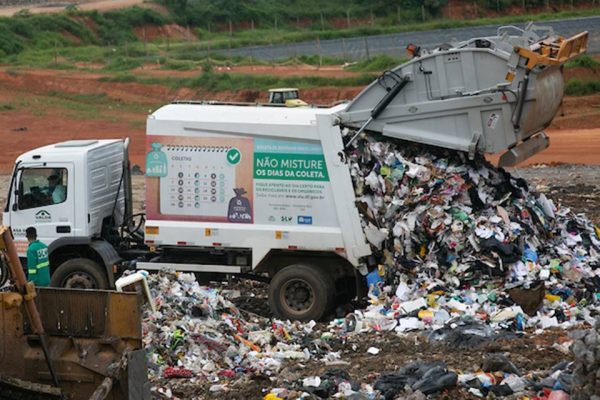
(40, 187)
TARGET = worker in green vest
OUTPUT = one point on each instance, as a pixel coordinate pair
(38, 266)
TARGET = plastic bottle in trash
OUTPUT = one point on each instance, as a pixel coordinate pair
(128, 280)
(520, 322)
(374, 283)
(137, 278)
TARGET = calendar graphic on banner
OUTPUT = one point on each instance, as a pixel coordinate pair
(200, 180)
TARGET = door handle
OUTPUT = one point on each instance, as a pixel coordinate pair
(63, 229)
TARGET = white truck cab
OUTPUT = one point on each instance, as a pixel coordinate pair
(69, 192)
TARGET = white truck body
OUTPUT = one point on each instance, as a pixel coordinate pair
(308, 208)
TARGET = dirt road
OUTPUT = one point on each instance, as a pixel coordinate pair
(54, 7)
(568, 146)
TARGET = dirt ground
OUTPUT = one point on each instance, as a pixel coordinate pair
(59, 6)
(531, 354)
(42, 106)
(279, 70)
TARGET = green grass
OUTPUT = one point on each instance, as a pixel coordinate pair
(51, 31)
(314, 60)
(178, 65)
(213, 82)
(576, 87)
(81, 105)
(123, 64)
(212, 13)
(223, 40)
(583, 61)
(378, 63)
(7, 107)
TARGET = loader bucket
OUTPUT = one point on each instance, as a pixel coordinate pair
(483, 95)
(94, 338)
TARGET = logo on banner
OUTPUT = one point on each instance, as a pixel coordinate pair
(304, 220)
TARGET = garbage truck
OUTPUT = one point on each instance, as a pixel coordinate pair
(265, 192)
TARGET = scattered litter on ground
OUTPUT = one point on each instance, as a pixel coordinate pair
(475, 273)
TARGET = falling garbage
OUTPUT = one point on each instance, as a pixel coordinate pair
(460, 239)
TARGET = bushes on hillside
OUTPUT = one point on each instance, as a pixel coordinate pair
(50, 30)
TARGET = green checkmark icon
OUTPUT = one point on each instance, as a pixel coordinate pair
(234, 156)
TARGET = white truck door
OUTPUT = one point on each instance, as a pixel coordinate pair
(44, 199)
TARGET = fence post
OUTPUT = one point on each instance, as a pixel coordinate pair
(319, 52)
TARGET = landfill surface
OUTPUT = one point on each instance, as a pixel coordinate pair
(481, 283)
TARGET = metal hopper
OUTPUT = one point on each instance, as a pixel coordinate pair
(484, 95)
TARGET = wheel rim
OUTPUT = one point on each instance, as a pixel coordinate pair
(297, 296)
(80, 280)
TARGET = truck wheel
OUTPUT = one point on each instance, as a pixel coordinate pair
(300, 292)
(79, 273)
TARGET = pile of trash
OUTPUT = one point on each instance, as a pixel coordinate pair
(199, 345)
(458, 240)
(497, 377)
(198, 334)
(586, 351)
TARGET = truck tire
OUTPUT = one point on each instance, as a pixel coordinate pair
(301, 292)
(79, 273)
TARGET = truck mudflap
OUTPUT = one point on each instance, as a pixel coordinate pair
(94, 341)
(484, 95)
